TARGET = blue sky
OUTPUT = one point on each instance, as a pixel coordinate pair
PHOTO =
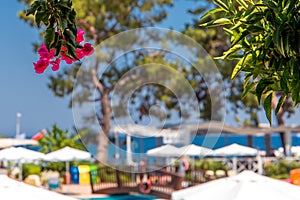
(24, 91)
(21, 89)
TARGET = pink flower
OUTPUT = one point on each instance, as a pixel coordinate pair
(67, 59)
(48, 57)
(79, 53)
(79, 37)
(87, 49)
(55, 64)
(44, 53)
(41, 65)
(63, 48)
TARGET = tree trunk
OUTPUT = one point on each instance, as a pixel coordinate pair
(103, 139)
(268, 143)
(250, 140)
(280, 121)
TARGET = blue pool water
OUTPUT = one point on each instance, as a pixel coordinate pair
(124, 197)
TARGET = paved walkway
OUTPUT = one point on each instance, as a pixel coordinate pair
(75, 189)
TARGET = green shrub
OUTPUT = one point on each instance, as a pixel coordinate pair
(280, 169)
(28, 169)
(209, 164)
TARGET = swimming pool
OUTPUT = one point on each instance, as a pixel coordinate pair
(124, 197)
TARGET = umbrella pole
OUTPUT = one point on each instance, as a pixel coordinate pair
(67, 167)
(234, 162)
(21, 171)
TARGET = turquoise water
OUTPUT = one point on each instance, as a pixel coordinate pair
(124, 197)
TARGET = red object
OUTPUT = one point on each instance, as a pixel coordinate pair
(186, 164)
(39, 135)
(145, 187)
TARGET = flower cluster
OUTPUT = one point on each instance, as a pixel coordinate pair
(48, 58)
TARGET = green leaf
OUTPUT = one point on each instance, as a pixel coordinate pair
(218, 22)
(233, 50)
(38, 17)
(237, 25)
(236, 70)
(268, 107)
(70, 37)
(228, 31)
(71, 51)
(63, 23)
(240, 37)
(268, 41)
(261, 87)
(242, 3)
(295, 93)
(280, 103)
(292, 4)
(281, 47)
(209, 13)
(33, 8)
(284, 85)
(49, 37)
(62, 5)
(277, 38)
(221, 4)
(248, 88)
(238, 67)
(247, 79)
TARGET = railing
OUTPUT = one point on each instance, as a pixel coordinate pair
(126, 179)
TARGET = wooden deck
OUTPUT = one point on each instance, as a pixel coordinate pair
(160, 183)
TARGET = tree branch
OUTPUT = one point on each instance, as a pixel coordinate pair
(95, 80)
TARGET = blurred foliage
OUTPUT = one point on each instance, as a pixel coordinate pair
(280, 169)
(61, 166)
(28, 169)
(57, 138)
(209, 164)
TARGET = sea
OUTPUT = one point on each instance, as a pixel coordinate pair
(139, 146)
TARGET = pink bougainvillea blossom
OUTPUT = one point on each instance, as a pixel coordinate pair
(79, 37)
(44, 53)
(48, 58)
(87, 49)
(41, 65)
(55, 64)
(67, 59)
(79, 53)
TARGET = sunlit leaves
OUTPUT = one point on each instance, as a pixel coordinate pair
(269, 32)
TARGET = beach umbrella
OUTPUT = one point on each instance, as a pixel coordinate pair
(167, 151)
(164, 151)
(194, 150)
(15, 190)
(235, 150)
(21, 155)
(141, 131)
(67, 154)
(9, 142)
(244, 186)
